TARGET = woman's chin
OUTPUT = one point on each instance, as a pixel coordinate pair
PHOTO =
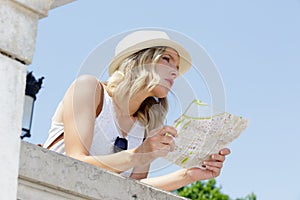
(160, 91)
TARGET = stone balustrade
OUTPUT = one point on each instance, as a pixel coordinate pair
(44, 174)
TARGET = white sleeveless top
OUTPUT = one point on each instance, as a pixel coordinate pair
(105, 132)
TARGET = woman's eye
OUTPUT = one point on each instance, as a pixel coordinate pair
(166, 58)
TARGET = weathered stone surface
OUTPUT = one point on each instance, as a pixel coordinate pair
(12, 89)
(58, 3)
(37, 6)
(61, 177)
(18, 28)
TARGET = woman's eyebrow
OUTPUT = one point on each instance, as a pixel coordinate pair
(172, 57)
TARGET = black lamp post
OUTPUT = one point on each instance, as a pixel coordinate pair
(32, 88)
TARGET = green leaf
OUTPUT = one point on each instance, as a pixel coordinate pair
(207, 190)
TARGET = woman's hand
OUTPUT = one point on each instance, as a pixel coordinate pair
(212, 166)
(184, 177)
(158, 144)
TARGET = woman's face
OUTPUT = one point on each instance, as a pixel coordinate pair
(167, 68)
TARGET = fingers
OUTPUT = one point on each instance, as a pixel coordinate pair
(165, 143)
(215, 163)
(168, 133)
(165, 139)
(168, 130)
(214, 166)
(162, 137)
(217, 157)
(158, 144)
(214, 171)
(169, 141)
(163, 150)
(161, 141)
(221, 156)
(224, 152)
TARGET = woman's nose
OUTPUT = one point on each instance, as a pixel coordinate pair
(174, 73)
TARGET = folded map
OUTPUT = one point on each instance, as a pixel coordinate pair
(199, 137)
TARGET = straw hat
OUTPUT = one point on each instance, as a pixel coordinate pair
(139, 40)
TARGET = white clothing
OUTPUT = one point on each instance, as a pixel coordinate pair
(105, 132)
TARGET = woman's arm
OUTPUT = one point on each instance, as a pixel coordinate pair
(140, 172)
(80, 104)
(184, 177)
(170, 181)
(79, 113)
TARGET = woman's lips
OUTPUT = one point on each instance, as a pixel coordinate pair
(170, 81)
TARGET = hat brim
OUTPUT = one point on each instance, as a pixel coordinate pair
(185, 58)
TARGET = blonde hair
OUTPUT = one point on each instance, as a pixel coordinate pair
(132, 77)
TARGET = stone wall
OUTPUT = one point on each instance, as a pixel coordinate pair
(44, 174)
(18, 29)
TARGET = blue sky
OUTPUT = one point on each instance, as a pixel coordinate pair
(255, 45)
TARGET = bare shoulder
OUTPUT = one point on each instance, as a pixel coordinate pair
(85, 85)
(86, 81)
(83, 91)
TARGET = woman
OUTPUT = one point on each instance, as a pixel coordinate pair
(118, 125)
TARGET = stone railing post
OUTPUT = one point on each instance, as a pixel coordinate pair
(18, 29)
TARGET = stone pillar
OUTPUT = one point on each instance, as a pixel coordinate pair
(12, 85)
(18, 29)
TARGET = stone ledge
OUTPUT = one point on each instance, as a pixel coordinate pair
(58, 3)
(43, 173)
(39, 7)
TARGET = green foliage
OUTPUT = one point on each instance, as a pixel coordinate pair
(207, 191)
(202, 191)
(248, 197)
